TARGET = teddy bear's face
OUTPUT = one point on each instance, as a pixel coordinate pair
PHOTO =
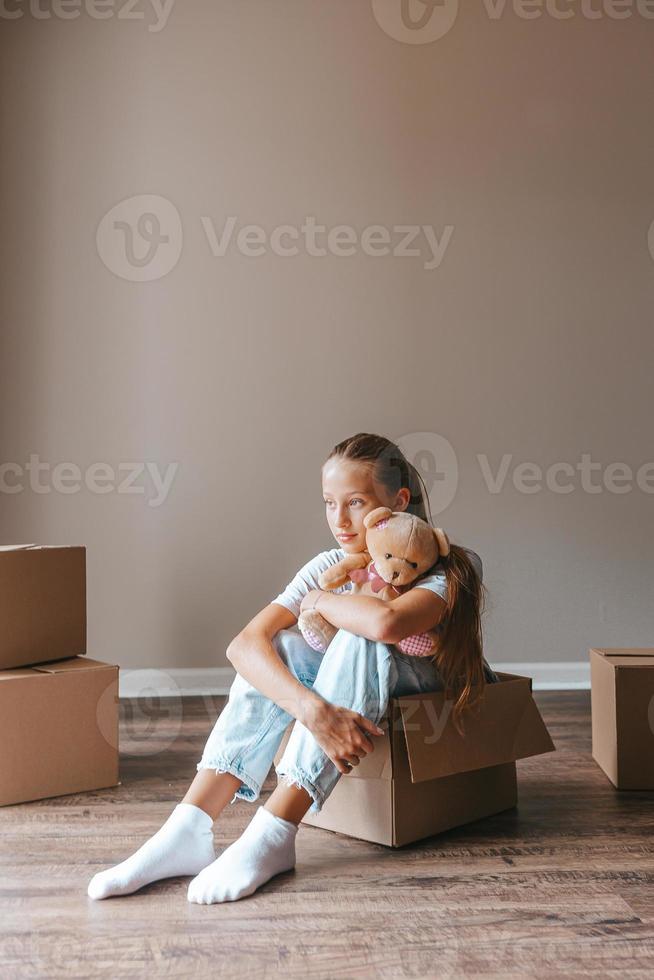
(402, 549)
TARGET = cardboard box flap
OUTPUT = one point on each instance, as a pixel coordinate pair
(75, 663)
(36, 547)
(377, 764)
(505, 727)
(610, 653)
(630, 662)
(15, 672)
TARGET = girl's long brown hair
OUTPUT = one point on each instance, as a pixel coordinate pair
(459, 656)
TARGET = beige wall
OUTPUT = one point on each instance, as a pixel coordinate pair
(532, 138)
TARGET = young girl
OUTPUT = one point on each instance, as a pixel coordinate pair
(336, 698)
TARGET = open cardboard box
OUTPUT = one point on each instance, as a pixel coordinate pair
(42, 603)
(622, 710)
(423, 777)
(58, 729)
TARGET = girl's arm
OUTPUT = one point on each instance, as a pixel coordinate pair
(360, 614)
(413, 612)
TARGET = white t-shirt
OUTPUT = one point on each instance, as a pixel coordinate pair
(307, 579)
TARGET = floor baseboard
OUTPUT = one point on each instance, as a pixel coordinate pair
(194, 681)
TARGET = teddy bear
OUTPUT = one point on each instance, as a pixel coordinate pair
(400, 548)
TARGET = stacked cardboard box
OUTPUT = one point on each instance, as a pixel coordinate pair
(423, 777)
(58, 708)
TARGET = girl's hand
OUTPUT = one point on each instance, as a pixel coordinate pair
(310, 599)
(340, 733)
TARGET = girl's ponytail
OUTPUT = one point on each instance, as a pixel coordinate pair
(459, 657)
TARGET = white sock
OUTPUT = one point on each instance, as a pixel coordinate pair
(265, 848)
(182, 846)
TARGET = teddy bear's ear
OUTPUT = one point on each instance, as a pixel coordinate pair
(441, 541)
(377, 515)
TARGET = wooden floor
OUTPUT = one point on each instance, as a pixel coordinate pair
(563, 886)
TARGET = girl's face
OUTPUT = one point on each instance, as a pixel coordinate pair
(350, 492)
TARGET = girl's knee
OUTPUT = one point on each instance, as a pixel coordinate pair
(281, 640)
(296, 653)
(350, 644)
(348, 653)
(345, 636)
(289, 643)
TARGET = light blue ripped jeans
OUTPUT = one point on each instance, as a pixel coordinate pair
(354, 673)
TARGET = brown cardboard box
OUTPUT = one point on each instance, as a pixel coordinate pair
(58, 729)
(42, 603)
(423, 777)
(622, 709)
